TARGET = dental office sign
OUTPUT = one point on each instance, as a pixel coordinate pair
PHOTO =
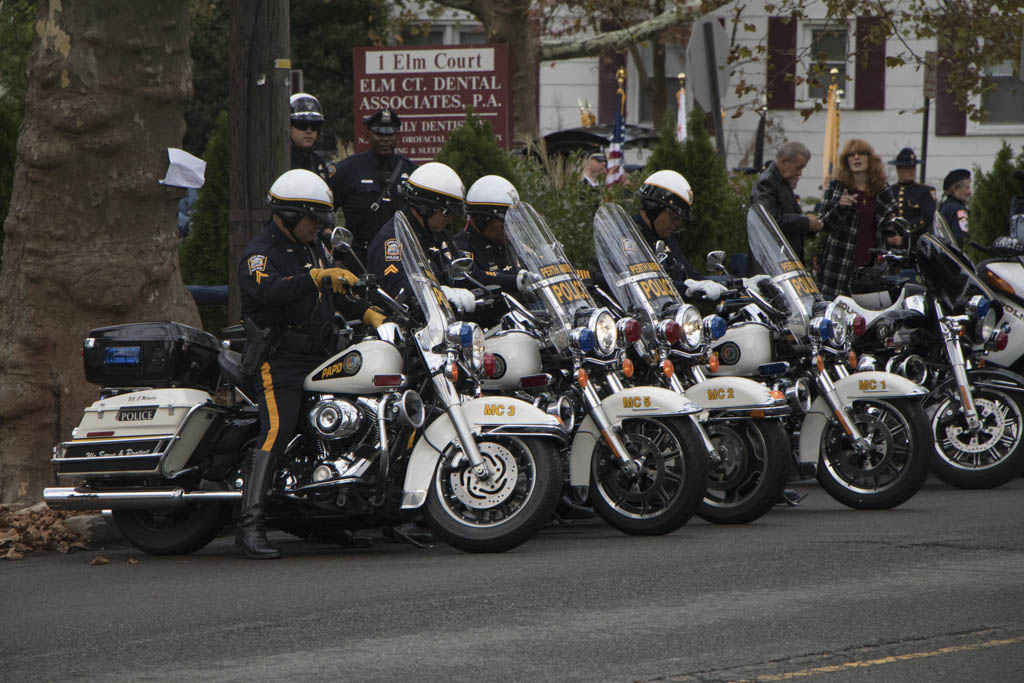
(430, 88)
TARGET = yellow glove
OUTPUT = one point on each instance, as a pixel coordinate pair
(340, 278)
(373, 317)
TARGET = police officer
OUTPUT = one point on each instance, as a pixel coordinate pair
(914, 201)
(487, 201)
(432, 195)
(283, 281)
(307, 119)
(956, 188)
(665, 201)
(367, 186)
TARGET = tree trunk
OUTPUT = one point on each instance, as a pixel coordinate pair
(91, 235)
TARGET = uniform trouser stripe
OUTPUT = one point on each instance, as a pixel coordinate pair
(270, 403)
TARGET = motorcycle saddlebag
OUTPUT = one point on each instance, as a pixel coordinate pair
(156, 354)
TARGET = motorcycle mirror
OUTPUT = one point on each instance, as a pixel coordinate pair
(715, 262)
(460, 266)
(341, 239)
(661, 251)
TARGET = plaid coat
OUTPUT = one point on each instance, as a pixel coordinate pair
(839, 227)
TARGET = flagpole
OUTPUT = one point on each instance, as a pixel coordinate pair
(615, 171)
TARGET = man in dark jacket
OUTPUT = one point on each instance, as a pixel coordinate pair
(286, 286)
(774, 191)
(914, 201)
(307, 118)
(957, 189)
(367, 186)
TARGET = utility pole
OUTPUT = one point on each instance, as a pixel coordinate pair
(258, 89)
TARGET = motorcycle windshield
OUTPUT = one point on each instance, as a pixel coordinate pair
(942, 231)
(777, 259)
(555, 287)
(948, 273)
(436, 309)
(636, 279)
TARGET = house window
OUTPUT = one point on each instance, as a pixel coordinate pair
(1005, 104)
(827, 49)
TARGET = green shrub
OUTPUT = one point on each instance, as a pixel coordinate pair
(204, 253)
(990, 200)
(473, 152)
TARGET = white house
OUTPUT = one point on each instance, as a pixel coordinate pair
(880, 104)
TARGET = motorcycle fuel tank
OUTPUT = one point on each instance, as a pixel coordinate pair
(517, 355)
(353, 370)
(743, 349)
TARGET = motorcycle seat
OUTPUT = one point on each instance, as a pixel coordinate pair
(230, 364)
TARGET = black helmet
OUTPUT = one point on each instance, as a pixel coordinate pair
(434, 186)
(305, 107)
(297, 193)
(666, 190)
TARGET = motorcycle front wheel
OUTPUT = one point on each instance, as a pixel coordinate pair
(670, 483)
(504, 511)
(982, 459)
(178, 531)
(895, 465)
(748, 473)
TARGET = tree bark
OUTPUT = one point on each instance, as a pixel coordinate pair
(91, 234)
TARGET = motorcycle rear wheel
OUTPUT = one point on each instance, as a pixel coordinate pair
(897, 464)
(179, 531)
(671, 482)
(986, 459)
(753, 460)
(505, 512)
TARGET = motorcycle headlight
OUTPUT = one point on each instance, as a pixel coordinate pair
(987, 325)
(978, 306)
(471, 338)
(840, 323)
(605, 335)
(688, 318)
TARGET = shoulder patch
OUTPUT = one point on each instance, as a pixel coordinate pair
(257, 263)
(392, 250)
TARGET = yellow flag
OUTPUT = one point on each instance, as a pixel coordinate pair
(831, 149)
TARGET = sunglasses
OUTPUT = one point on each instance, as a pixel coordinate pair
(307, 125)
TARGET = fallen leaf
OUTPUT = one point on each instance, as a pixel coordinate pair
(13, 554)
(98, 560)
(132, 560)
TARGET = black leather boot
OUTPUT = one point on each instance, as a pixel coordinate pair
(252, 535)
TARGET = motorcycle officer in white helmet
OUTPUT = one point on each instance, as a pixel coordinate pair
(487, 201)
(666, 200)
(433, 193)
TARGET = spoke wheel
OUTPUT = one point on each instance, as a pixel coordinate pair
(668, 485)
(894, 465)
(748, 473)
(987, 457)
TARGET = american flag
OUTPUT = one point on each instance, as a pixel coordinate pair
(616, 173)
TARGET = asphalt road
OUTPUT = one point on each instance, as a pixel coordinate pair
(931, 591)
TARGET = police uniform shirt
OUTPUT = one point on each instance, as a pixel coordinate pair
(915, 202)
(677, 266)
(311, 161)
(358, 184)
(491, 261)
(276, 289)
(385, 257)
(955, 213)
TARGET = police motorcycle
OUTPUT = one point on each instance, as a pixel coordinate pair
(949, 333)
(865, 436)
(638, 453)
(750, 463)
(160, 452)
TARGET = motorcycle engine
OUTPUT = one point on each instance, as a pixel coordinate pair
(333, 418)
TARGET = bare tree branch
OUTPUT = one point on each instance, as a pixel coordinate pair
(621, 40)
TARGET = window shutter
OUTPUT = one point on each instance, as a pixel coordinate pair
(869, 70)
(949, 120)
(781, 71)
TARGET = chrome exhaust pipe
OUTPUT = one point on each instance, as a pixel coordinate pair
(69, 498)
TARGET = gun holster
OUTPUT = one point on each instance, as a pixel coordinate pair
(259, 344)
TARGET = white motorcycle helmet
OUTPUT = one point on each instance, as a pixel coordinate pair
(490, 197)
(666, 190)
(305, 107)
(299, 193)
(434, 186)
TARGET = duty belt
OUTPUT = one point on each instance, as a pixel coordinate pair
(303, 344)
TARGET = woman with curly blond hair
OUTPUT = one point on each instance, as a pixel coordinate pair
(857, 203)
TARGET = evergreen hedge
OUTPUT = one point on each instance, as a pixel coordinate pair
(989, 215)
